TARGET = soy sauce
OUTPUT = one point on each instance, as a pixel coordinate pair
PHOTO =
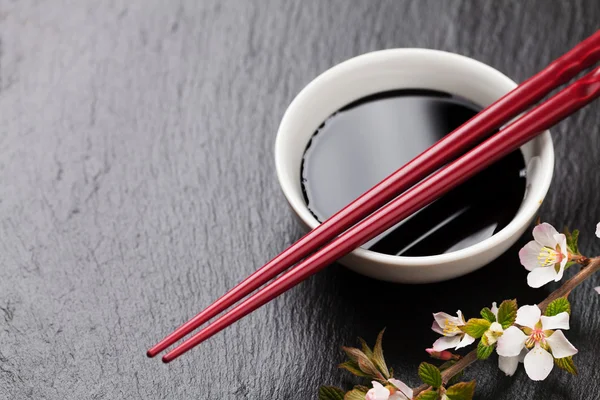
(364, 142)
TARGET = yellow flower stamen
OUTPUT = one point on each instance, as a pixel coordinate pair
(537, 336)
(548, 257)
(450, 327)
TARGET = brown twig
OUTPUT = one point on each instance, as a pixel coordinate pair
(588, 269)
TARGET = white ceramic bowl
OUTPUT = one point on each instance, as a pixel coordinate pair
(386, 70)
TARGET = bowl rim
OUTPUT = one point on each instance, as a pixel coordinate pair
(528, 207)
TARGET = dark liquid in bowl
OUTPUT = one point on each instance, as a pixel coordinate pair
(366, 141)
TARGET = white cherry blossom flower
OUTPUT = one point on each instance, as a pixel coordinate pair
(509, 365)
(403, 393)
(597, 289)
(400, 391)
(495, 330)
(546, 256)
(378, 392)
(542, 336)
(448, 326)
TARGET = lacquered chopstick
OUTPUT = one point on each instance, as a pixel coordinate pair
(560, 71)
(508, 139)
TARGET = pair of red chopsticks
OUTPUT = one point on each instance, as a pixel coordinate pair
(410, 188)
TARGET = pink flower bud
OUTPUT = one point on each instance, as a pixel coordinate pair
(441, 355)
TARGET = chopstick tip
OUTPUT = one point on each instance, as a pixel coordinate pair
(150, 353)
(167, 358)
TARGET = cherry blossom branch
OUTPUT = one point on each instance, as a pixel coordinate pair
(459, 366)
(589, 267)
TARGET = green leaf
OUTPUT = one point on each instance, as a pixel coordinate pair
(430, 375)
(488, 315)
(353, 353)
(484, 351)
(461, 391)
(377, 358)
(485, 340)
(475, 327)
(363, 362)
(456, 378)
(572, 239)
(361, 388)
(355, 395)
(557, 306)
(365, 348)
(353, 368)
(567, 364)
(507, 313)
(368, 367)
(428, 395)
(575, 240)
(330, 393)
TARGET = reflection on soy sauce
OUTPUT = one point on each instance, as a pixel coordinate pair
(366, 141)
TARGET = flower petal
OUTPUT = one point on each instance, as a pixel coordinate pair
(529, 254)
(376, 385)
(493, 333)
(564, 251)
(597, 289)
(540, 276)
(436, 328)
(560, 346)
(528, 316)
(446, 342)
(544, 235)
(538, 363)
(442, 319)
(378, 392)
(466, 340)
(402, 387)
(559, 321)
(494, 309)
(598, 230)
(511, 342)
(508, 365)
(561, 269)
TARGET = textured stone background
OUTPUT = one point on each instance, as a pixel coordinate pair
(137, 184)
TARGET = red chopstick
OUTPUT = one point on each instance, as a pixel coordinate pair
(508, 139)
(563, 69)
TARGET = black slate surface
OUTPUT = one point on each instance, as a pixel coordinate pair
(137, 184)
